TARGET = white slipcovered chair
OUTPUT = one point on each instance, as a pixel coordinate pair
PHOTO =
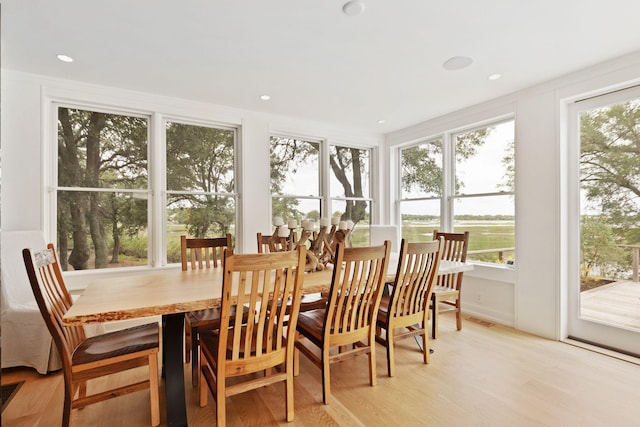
(25, 338)
(377, 236)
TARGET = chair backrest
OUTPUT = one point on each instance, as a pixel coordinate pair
(273, 243)
(201, 253)
(262, 283)
(415, 277)
(356, 289)
(53, 300)
(15, 290)
(455, 249)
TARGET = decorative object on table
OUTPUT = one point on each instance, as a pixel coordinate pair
(321, 244)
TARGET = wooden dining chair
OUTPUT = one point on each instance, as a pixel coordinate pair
(267, 244)
(203, 252)
(407, 307)
(262, 282)
(272, 243)
(448, 288)
(85, 358)
(350, 315)
(198, 254)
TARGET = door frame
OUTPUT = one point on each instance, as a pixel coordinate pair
(593, 332)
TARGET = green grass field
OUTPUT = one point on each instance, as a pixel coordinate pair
(484, 235)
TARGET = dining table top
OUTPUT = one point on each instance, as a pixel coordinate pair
(172, 291)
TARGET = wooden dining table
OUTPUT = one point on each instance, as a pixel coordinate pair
(170, 293)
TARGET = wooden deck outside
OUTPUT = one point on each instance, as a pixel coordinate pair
(617, 303)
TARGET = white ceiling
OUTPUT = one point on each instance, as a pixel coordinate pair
(314, 61)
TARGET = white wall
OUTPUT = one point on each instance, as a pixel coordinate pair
(538, 285)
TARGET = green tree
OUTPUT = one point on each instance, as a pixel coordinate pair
(598, 244)
(286, 156)
(201, 160)
(610, 165)
(96, 150)
(422, 168)
(348, 165)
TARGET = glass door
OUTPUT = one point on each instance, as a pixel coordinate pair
(604, 220)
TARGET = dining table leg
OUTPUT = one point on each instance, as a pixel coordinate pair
(172, 353)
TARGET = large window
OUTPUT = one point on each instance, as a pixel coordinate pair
(200, 183)
(462, 181)
(102, 207)
(296, 183)
(109, 211)
(421, 178)
(295, 178)
(350, 189)
(483, 202)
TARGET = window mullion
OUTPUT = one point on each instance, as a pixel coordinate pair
(448, 179)
(157, 185)
(325, 179)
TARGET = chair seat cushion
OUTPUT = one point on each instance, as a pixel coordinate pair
(208, 318)
(117, 343)
(309, 302)
(383, 311)
(311, 323)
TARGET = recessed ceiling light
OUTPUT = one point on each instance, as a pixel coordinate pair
(457, 63)
(65, 58)
(495, 76)
(381, 121)
(353, 8)
(265, 97)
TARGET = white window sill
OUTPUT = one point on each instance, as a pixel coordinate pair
(495, 272)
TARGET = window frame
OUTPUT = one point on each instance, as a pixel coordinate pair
(448, 197)
(344, 199)
(156, 191)
(325, 173)
(321, 162)
(164, 192)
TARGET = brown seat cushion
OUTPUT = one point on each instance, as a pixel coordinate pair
(311, 323)
(112, 344)
(208, 318)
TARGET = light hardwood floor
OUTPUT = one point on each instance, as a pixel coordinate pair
(484, 375)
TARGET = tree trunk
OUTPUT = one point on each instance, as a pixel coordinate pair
(79, 257)
(98, 235)
(70, 173)
(62, 230)
(96, 226)
(115, 253)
